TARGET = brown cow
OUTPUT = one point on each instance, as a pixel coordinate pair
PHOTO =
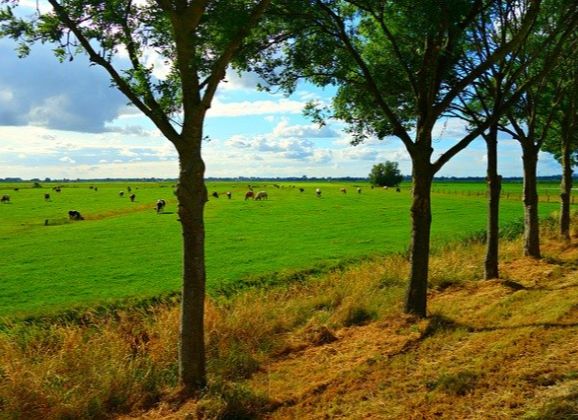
(249, 194)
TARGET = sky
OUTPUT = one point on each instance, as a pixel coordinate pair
(64, 120)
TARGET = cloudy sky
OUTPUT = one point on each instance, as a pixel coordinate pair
(63, 120)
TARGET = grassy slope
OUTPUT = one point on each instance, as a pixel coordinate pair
(497, 349)
(124, 249)
(334, 346)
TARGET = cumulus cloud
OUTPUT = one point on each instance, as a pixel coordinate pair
(38, 90)
(260, 107)
(283, 129)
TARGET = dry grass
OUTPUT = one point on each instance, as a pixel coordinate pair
(335, 345)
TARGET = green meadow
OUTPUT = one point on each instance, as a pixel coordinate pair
(123, 249)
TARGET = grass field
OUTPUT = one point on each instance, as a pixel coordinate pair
(125, 249)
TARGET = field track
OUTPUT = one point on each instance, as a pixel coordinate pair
(124, 249)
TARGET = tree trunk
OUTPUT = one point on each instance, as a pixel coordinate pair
(530, 194)
(192, 196)
(491, 270)
(565, 188)
(416, 295)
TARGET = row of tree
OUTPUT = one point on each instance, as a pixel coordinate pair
(399, 67)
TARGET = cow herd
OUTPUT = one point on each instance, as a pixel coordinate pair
(160, 204)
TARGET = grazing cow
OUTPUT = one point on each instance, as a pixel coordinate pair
(385, 187)
(262, 195)
(160, 206)
(121, 193)
(75, 215)
(5, 199)
(57, 189)
(47, 196)
(215, 194)
(318, 192)
(129, 189)
(228, 194)
(373, 186)
(132, 197)
(301, 189)
(249, 194)
(343, 190)
(358, 190)
(95, 188)
(16, 189)
(91, 187)
(397, 189)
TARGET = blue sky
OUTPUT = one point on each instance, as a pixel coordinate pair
(63, 120)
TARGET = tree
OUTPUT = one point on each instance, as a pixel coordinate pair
(198, 39)
(530, 119)
(394, 64)
(503, 84)
(385, 174)
(562, 138)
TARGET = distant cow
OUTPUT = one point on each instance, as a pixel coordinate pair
(16, 189)
(57, 189)
(129, 189)
(318, 192)
(228, 194)
(343, 190)
(160, 206)
(358, 190)
(249, 194)
(215, 194)
(47, 196)
(301, 189)
(5, 199)
(132, 197)
(397, 189)
(262, 195)
(121, 193)
(75, 215)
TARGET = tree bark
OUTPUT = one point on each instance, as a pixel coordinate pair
(416, 295)
(530, 194)
(491, 269)
(565, 189)
(192, 196)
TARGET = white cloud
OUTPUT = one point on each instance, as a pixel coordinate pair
(260, 107)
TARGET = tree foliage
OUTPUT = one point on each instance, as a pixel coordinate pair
(385, 174)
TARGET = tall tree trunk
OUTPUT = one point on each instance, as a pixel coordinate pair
(531, 220)
(565, 187)
(192, 195)
(416, 295)
(491, 270)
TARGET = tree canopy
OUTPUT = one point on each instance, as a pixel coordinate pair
(385, 174)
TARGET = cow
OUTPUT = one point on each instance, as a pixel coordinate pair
(358, 190)
(121, 193)
(318, 192)
(75, 215)
(343, 190)
(215, 194)
(228, 194)
(5, 199)
(249, 194)
(262, 195)
(16, 189)
(301, 189)
(132, 198)
(397, 189)
(129, 189)
(160, 206)
(47, 196)
(57, 189)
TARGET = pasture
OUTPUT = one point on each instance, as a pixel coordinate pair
(123, 249)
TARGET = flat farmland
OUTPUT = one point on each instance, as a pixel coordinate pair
(123, 249)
